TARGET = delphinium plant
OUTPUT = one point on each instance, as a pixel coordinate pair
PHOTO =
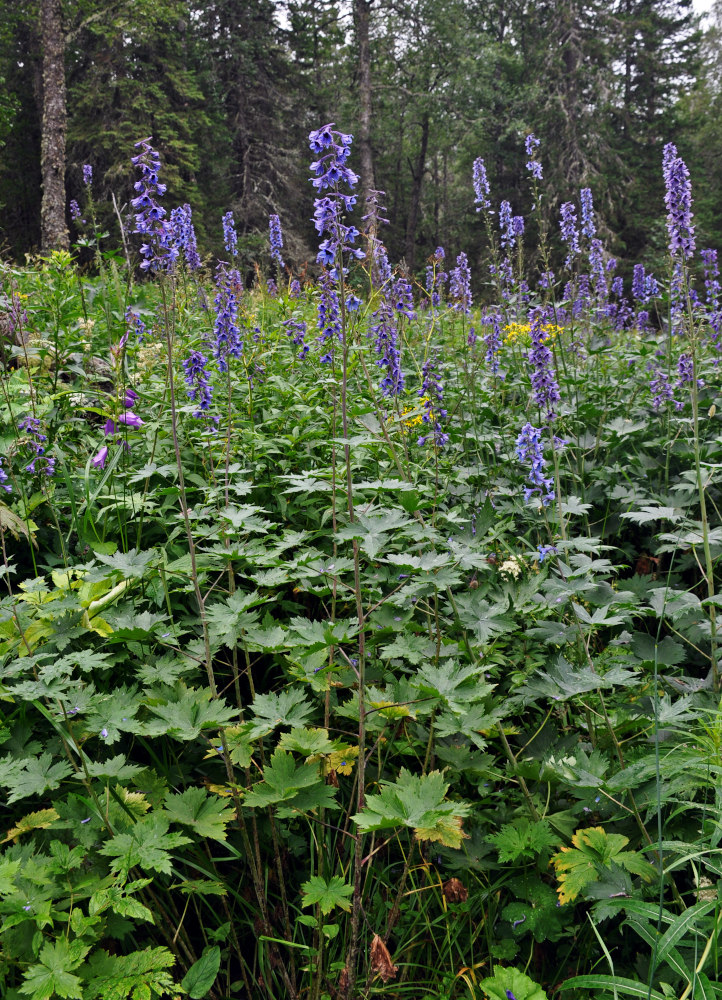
(358, 648)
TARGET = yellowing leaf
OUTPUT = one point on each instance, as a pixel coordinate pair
(40, 820)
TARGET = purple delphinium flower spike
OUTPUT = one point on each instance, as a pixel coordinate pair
(543, 376)
(589, 229)
(460, 284)
(227, 335)
(160, 252)
(432, 393)
(87, 173)
(75, 212)
(493, 341)
(184, 235)
(230, 239)
(294, 291)
(276, 239)
(531, 144)
(530, 451)
(481, 186)
(199, 388)
(678, 200)
(712, 286)
(570, 233)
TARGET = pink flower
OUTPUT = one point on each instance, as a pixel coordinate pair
(98, 461)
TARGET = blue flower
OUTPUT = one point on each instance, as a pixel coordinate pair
(481, 186)
(276, 239)
(199, 388)
(678, 199)
(530, 450)
(230, 239)
(570, 234)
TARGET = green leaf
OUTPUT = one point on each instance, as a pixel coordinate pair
(680, 925)
(523, 839)
(202, 974)
(327, 893)
(112, 977)
(8, 871)
(287, 708)
(506, 981)
(115, 767)
(283, 779)
(417, 802)
(598, 982)
(128, 564)
(147, 845)
(594, 851)
(53, 974)
(194, 711)
(207, 814)
(307, 742)
(37, 775)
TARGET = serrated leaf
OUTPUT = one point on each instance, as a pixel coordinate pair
(114, 767)
(38, 774)
(507, 981)
(594, 851)
(53, 973)
(8, 871)
(283, 779)
(307, 742)
(202, 974)
(417, 802)
(327, 893)
(148, 845)
(130, 564)
(113, 977)
(40, 820)
(523, 839)
(194, 711)
(286, 708)
(208, 815)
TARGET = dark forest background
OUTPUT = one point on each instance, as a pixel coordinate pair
(229, 90)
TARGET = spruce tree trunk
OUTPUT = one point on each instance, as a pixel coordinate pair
(362, 16)
(53, 231)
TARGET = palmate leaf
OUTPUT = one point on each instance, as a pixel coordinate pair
(128, 564)
(113, 977)
(593, 854)
(38, 774)
(285, 781)
(287, 708)
(207, 814)
(506, 982)
(327, 893)
(456, 686)
(523, 840)
(147, 845)
(416, 802)
(52, 976)
(40, 820)
(194, 711)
